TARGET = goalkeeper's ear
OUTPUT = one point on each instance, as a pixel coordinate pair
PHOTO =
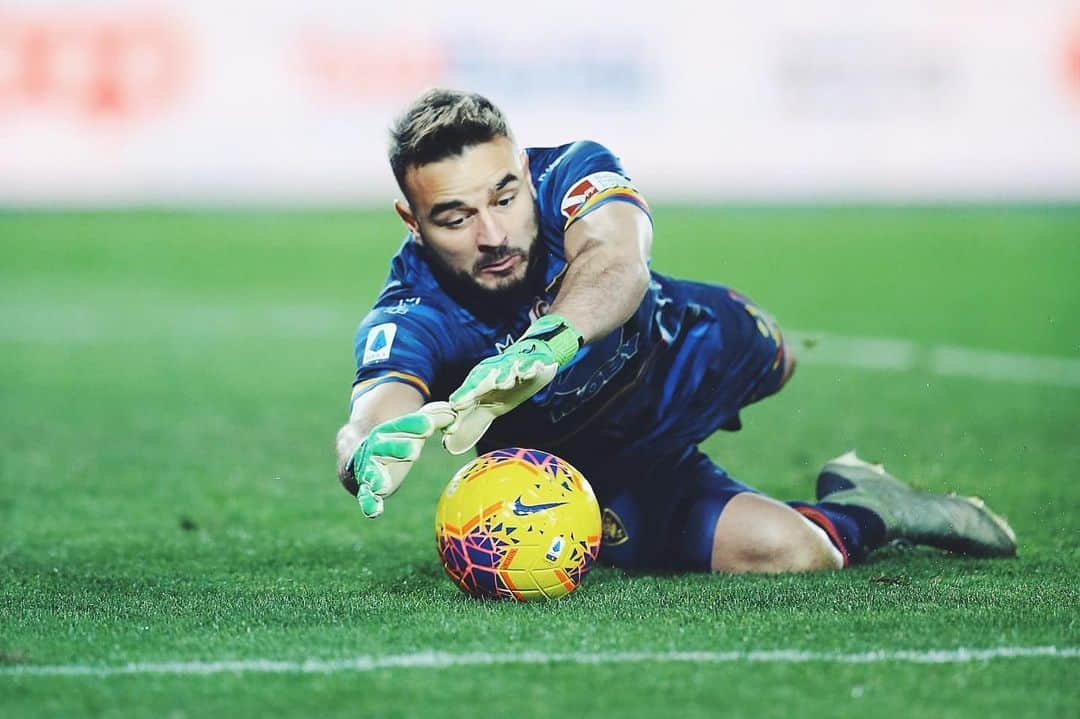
(526, 173)
(405, 213)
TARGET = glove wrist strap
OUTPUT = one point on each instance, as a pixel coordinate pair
(560, 336)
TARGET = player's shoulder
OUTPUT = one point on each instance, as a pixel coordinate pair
(575, 178)
(410, 292)
(414, 302)
(551, 165)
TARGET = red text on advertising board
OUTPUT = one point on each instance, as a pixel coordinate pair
(90, 67)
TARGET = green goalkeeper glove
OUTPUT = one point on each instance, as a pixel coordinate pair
(386, 455)
(498, 384)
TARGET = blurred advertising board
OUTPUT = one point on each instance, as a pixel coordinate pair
(198, 102)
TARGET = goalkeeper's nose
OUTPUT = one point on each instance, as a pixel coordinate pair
(491, 235)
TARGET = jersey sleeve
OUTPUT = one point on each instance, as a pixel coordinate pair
(404, 341)
(584, 177)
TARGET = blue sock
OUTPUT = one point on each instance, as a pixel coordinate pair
(856, 531)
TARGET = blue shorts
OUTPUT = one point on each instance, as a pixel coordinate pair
(661, 499)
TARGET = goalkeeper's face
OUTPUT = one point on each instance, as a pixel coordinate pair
(476, 216)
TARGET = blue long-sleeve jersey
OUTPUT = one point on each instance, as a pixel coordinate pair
(658, 380)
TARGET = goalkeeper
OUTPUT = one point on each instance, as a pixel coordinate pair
(521, 311)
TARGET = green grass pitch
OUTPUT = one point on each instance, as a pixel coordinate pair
(170, 384)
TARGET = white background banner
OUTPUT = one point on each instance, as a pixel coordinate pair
(168, 102)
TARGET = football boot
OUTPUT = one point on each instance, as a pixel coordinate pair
(964, 525)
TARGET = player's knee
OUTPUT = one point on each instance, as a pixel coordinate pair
(812, 552)
(782, 553)
(761, 535)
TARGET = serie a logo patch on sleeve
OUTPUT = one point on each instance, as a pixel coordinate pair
(380, 340)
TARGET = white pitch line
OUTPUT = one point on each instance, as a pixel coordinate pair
(71, 324)
(1000, 366)
(886, 354)
(878, 353)
(446, 660)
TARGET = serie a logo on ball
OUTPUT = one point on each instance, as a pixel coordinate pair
(517, 524)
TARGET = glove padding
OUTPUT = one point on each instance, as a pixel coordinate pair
(387, 454)
(499, 384)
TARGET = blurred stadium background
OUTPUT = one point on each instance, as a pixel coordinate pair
(112, 102)
(195, 214)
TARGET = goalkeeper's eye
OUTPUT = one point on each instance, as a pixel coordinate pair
(453, 223)
(506, 200)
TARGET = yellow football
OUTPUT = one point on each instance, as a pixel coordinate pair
(517, 524)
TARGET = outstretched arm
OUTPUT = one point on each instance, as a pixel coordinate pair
(383, 437)
(385, 402)
(608, 272)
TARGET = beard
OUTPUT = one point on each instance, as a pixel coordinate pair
(482, 300)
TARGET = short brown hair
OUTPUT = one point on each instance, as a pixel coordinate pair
(440, 124)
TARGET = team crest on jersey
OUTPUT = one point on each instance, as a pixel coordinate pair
(582, 191)
(614, 533)
(380, 340)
